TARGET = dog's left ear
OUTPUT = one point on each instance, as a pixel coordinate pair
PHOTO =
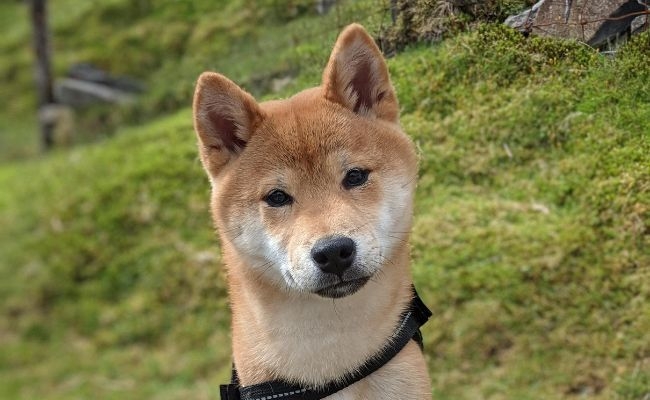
(356, 76)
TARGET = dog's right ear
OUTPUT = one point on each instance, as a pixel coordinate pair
(224, 118)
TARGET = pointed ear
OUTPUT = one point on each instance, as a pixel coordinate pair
(356, 76)
(224, 118)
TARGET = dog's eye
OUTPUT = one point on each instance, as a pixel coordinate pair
(355, 177)
(278, 198)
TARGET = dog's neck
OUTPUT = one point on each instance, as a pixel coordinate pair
(310, 339)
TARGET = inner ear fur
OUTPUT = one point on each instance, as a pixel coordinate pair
(357, 77)
(225, 116)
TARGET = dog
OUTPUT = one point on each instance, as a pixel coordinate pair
(312, 199)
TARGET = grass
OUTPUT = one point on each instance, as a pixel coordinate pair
(103, 287)
(532, 220)
(530, 238)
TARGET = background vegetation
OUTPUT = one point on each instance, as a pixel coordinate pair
(531, 234)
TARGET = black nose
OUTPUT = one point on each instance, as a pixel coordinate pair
(334, 254)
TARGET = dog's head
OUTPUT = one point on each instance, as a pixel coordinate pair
(312, 193)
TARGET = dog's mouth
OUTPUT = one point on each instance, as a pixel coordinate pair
(343, 288)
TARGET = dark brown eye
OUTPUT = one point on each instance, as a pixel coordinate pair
(278, 198)
(355, 177)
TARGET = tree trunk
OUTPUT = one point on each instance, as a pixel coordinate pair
(42, 71)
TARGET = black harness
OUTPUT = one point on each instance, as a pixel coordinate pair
(412, 319)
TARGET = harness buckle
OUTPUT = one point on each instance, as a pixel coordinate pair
(229, 392)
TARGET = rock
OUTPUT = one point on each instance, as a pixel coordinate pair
(639, 24)
(61, 119)
(90, 73)
(78, 93)
(87, 84)
(524, 20)
(595, 22)
(278, 84)
(620, 22)
(323, 6)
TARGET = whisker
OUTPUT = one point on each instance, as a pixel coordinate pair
(263, 269)
(398, 238)
(401, 232)
(410, 181)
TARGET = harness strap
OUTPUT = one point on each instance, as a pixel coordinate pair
(413, 318)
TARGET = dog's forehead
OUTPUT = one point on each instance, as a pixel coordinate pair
(305, 129)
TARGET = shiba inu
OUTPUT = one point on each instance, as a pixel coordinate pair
(312, 198)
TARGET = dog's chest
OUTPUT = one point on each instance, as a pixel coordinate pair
(345, 394)
(404, 377)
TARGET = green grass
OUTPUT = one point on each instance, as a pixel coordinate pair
(534, 258)
(99, 290)
(530, 238)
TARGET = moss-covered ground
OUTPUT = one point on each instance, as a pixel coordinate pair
(530, 242)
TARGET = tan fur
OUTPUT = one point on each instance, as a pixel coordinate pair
(304, 145)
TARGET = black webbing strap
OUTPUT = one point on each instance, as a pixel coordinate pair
(409, 328)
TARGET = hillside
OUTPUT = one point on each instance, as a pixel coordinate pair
(529, 245)
(164, 44)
